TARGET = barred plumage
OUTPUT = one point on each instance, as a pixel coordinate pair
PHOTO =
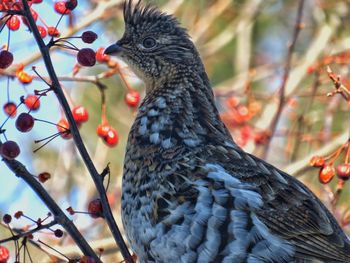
(190, 194)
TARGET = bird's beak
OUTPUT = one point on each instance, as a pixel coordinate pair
(113, 49)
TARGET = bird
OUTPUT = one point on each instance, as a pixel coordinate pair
(189, 192)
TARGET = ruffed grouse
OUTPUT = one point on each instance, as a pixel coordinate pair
(190, 194)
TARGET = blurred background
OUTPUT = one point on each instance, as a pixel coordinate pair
(246, 48)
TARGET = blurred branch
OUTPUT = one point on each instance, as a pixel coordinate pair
(206, 20)
(287, 68)
(243, 53)
(248, 12)
(298, 73)
(172, 6)
(233, 84)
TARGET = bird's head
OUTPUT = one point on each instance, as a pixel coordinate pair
(154, 44)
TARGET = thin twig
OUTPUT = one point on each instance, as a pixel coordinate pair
(301, 128)
(287, 68)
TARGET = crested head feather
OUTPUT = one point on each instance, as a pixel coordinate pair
(136, 13)
(139, 14)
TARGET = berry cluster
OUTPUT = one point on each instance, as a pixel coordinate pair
(85, 57)
(327, 168)
(239, 115)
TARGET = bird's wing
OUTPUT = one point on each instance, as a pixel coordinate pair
(256, 200)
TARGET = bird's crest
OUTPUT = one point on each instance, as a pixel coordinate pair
(136, 13)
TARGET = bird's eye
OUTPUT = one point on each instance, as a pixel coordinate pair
(149, 42)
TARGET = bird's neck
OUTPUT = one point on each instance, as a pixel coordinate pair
(180, 112)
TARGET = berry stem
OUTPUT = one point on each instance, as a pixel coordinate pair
(37, 73)
(128, 87)
(49, 139)
(347, 155)
(4, 24)
(8, 37)
(66, 45)
(8, 89)
(8, 117)
(52, 248)
(79, 144)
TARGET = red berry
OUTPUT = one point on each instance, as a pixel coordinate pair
(9, 150)
(261, 137)
(343, 171)
(95, 208)
(4, 254)
(100, 55)
(42, 31)
(43, 177)
(63, 129)
(10, 109)
(23, 76)
(111, 139)
(132, 98)
(58, 233)
(71, 4)
(6, 59)
(89, 37)
(243, 113)
(70, 210)
(80, 114)
(232, 102)
(86, 57)
(102, 130)
(13, 23)
(60, 7)
(32, 102)
(37, 1)
(7, 218)
(53, 32)
(317, 161)
(326, 174)
(24, 122)
(18, 214)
